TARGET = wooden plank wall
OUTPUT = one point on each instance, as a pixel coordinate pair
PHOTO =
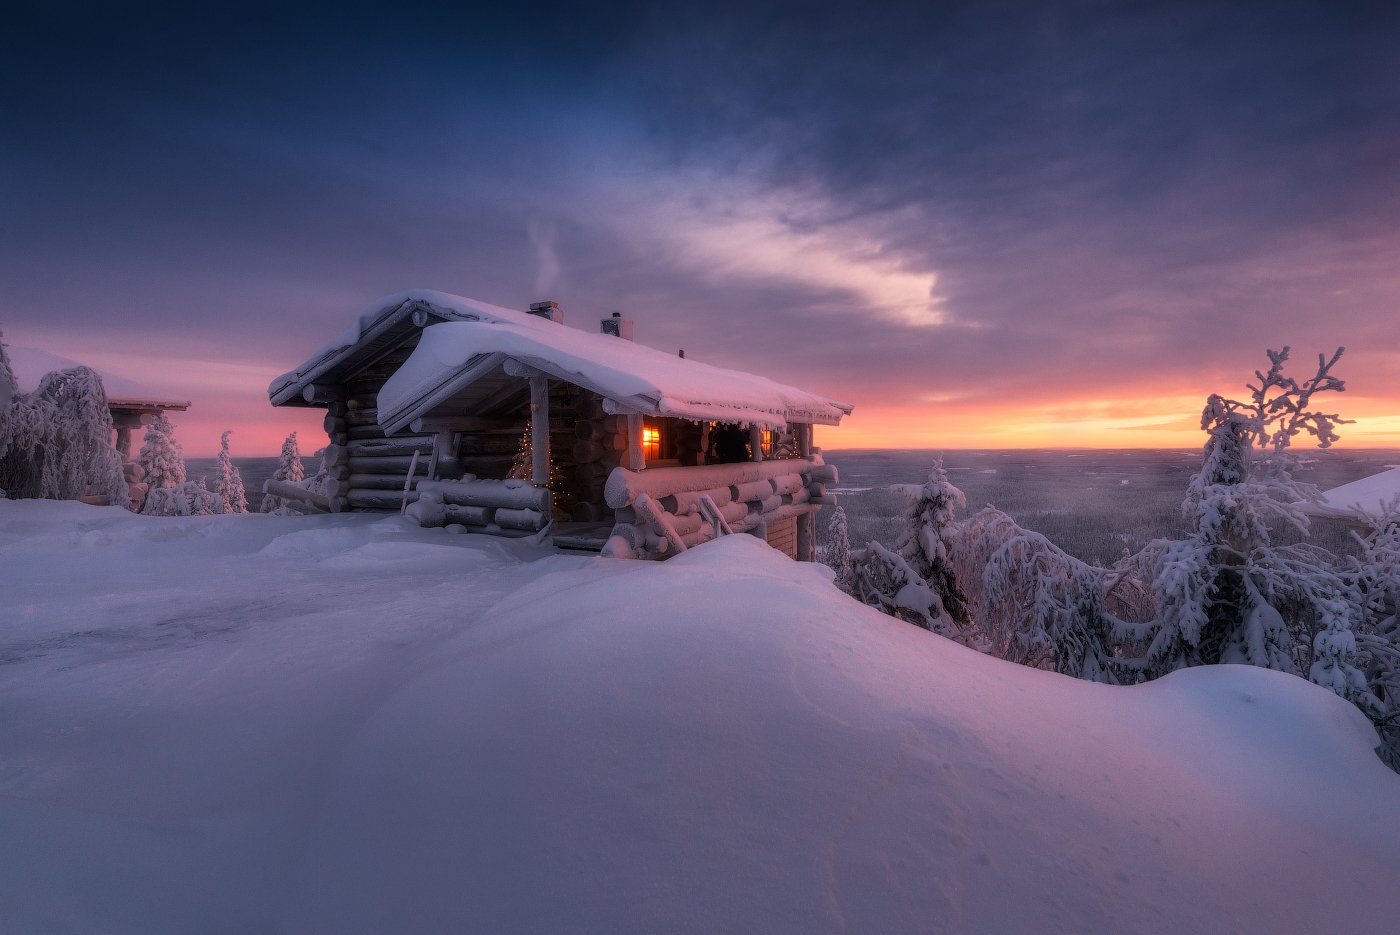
(782, 536)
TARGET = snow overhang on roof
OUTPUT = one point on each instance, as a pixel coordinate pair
(1369, 495)
(633, 377)
(382, 325)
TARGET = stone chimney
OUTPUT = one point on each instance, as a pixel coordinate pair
(617, 326)
(547, 309)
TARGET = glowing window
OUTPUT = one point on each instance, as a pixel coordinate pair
(651, 443)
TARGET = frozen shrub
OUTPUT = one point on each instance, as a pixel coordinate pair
(192, 498)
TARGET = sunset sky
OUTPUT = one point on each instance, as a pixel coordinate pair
(984, 224)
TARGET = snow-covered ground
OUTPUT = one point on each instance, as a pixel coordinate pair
(343, 724)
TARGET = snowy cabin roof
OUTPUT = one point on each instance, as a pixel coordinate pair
(30, 364)
(1368, 493)
(474, 340)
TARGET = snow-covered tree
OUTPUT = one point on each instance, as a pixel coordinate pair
(58, 441)
(161, 457)
(1031, 602)
(228, 485)
(884, 580)
(191, 498)
(1376, 574)
(1221, 592)
(927, 541)
(9, 388)
(289, 469)
(837, 554)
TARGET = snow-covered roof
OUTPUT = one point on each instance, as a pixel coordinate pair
(475, 339)
(636, 377)
(382, 322)
(30, 364)
(1368, 493)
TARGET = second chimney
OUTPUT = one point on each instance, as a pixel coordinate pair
(617, 326)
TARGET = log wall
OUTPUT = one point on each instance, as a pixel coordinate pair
(659, 512)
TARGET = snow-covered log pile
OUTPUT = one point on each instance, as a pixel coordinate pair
(659, 511)
(510, 508)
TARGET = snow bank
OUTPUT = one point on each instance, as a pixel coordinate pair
(343, 724)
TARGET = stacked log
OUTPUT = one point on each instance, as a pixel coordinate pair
(510, 508)
(658, 511)
(369, 471)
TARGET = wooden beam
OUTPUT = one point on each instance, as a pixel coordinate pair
(430, 425)
(510, 393)
(756, 441)
(322, 392)
(539, 430)
(636, 454)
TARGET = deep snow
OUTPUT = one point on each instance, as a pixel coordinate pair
(343, 724)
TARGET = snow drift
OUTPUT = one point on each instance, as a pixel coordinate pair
(350, 725)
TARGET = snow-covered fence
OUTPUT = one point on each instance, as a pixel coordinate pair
(664, 510)
(510, 508)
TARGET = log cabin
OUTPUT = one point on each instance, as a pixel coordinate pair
(490, 420)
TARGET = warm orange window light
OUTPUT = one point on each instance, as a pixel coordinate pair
(651, 443)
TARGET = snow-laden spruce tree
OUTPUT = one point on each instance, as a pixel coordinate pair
(58, 441)
(228, 483)
(1223, 593)
(289, 469)
(926, 543)
(161, 457)
(837, 554)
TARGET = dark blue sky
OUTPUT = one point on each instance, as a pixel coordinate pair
(1018, 222)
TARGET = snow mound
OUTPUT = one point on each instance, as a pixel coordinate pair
(371, 739)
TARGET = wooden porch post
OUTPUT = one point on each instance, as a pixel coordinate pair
(539, 430)
(636, 454)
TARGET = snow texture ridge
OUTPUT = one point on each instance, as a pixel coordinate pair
(353, 725)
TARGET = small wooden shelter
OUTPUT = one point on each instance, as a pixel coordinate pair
(510, 423)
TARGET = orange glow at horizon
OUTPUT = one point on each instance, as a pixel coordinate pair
(1172, 422)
